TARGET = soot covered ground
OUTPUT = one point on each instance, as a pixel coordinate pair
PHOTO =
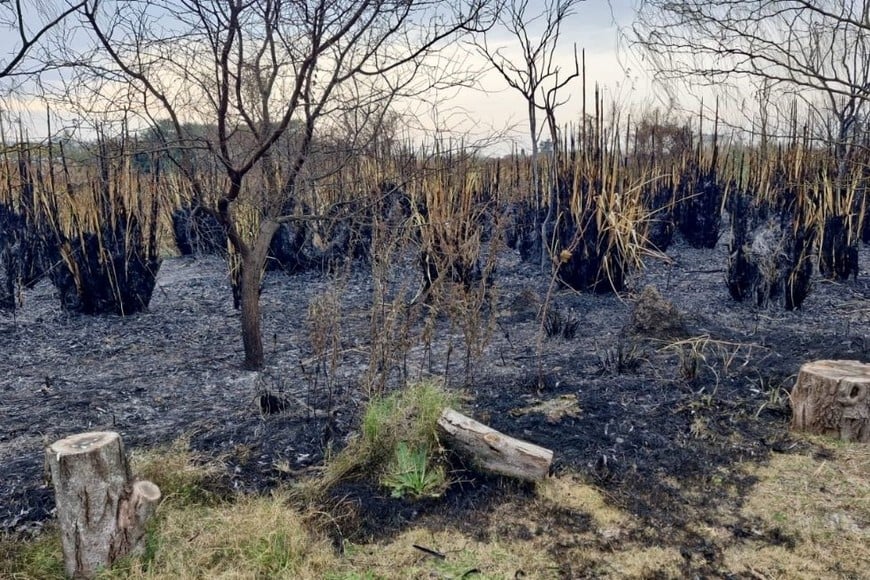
(655, 423)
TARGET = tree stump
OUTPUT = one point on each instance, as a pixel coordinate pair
(102, 512)
(492, 451)
(832, 397)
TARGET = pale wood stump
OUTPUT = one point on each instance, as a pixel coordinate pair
(102, 511)
(832, 397)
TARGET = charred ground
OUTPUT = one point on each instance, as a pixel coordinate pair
(657, 424)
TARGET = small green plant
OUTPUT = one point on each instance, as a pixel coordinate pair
(408, 416)
(411, 474)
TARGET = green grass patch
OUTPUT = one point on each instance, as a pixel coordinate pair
(397, 444)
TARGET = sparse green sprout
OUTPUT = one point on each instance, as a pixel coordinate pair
(411, 473)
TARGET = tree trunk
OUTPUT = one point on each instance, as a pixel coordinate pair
(832, 397)
(253, 262)
(492, 451)
(552, 192)
(102, 512)
(536, 180)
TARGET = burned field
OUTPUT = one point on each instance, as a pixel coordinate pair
(655, 408)
(644, 321)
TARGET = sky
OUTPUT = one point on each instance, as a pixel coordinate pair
(595, 27)
(493, 107)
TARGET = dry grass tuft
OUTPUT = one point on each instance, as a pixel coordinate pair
(823, 502)
(462, 555)
(571, 493)
(255, 537)
(182, 475)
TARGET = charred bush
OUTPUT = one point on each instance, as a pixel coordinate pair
(770, 254)
(112, 271)
(326, 245)
(838, 254)
(799, 245)
(592, 258)
(24, 247)
(433, 263)
(197, 231)
(659, 205)
(521, 233)
(393, 204)
(345, 234)
(698, 208)
(449, 233)
(357, 225)
(11, 233)
(285, 249)
(439, 263)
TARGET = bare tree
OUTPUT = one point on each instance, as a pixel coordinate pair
(815, 50)
(29, 21)
(536, 76)
(255, 68)
(818, 45)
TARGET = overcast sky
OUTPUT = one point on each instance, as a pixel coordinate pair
(595, 26)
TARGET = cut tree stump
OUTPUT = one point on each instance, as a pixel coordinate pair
(492, 451)
(102, 512)
(832, 397)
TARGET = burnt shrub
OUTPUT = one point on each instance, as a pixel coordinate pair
(698, 208)
(107, 272)
(838, 253)
(595, 265)
(11, 229)
(320, 245)
(344, 234)
(449, 233)
(592, 243)
(24, 248)
(658, 200)
(285, 249)
(197, 231)
(769, 258)
(521, 233)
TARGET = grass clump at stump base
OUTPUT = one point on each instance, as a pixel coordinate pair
(397, 444)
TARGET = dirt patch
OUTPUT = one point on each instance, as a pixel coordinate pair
(662, 428)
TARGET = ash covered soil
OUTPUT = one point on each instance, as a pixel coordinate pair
(652, 422)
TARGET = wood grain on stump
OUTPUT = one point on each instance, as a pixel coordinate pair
(493, 451)
(102, 512)
(832, 397)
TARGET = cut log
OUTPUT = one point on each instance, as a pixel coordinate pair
(102, 512)
(492, 451)
(832, 397)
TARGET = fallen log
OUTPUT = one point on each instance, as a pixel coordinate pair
(492, 451)
(101, 510)
(832, 397)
